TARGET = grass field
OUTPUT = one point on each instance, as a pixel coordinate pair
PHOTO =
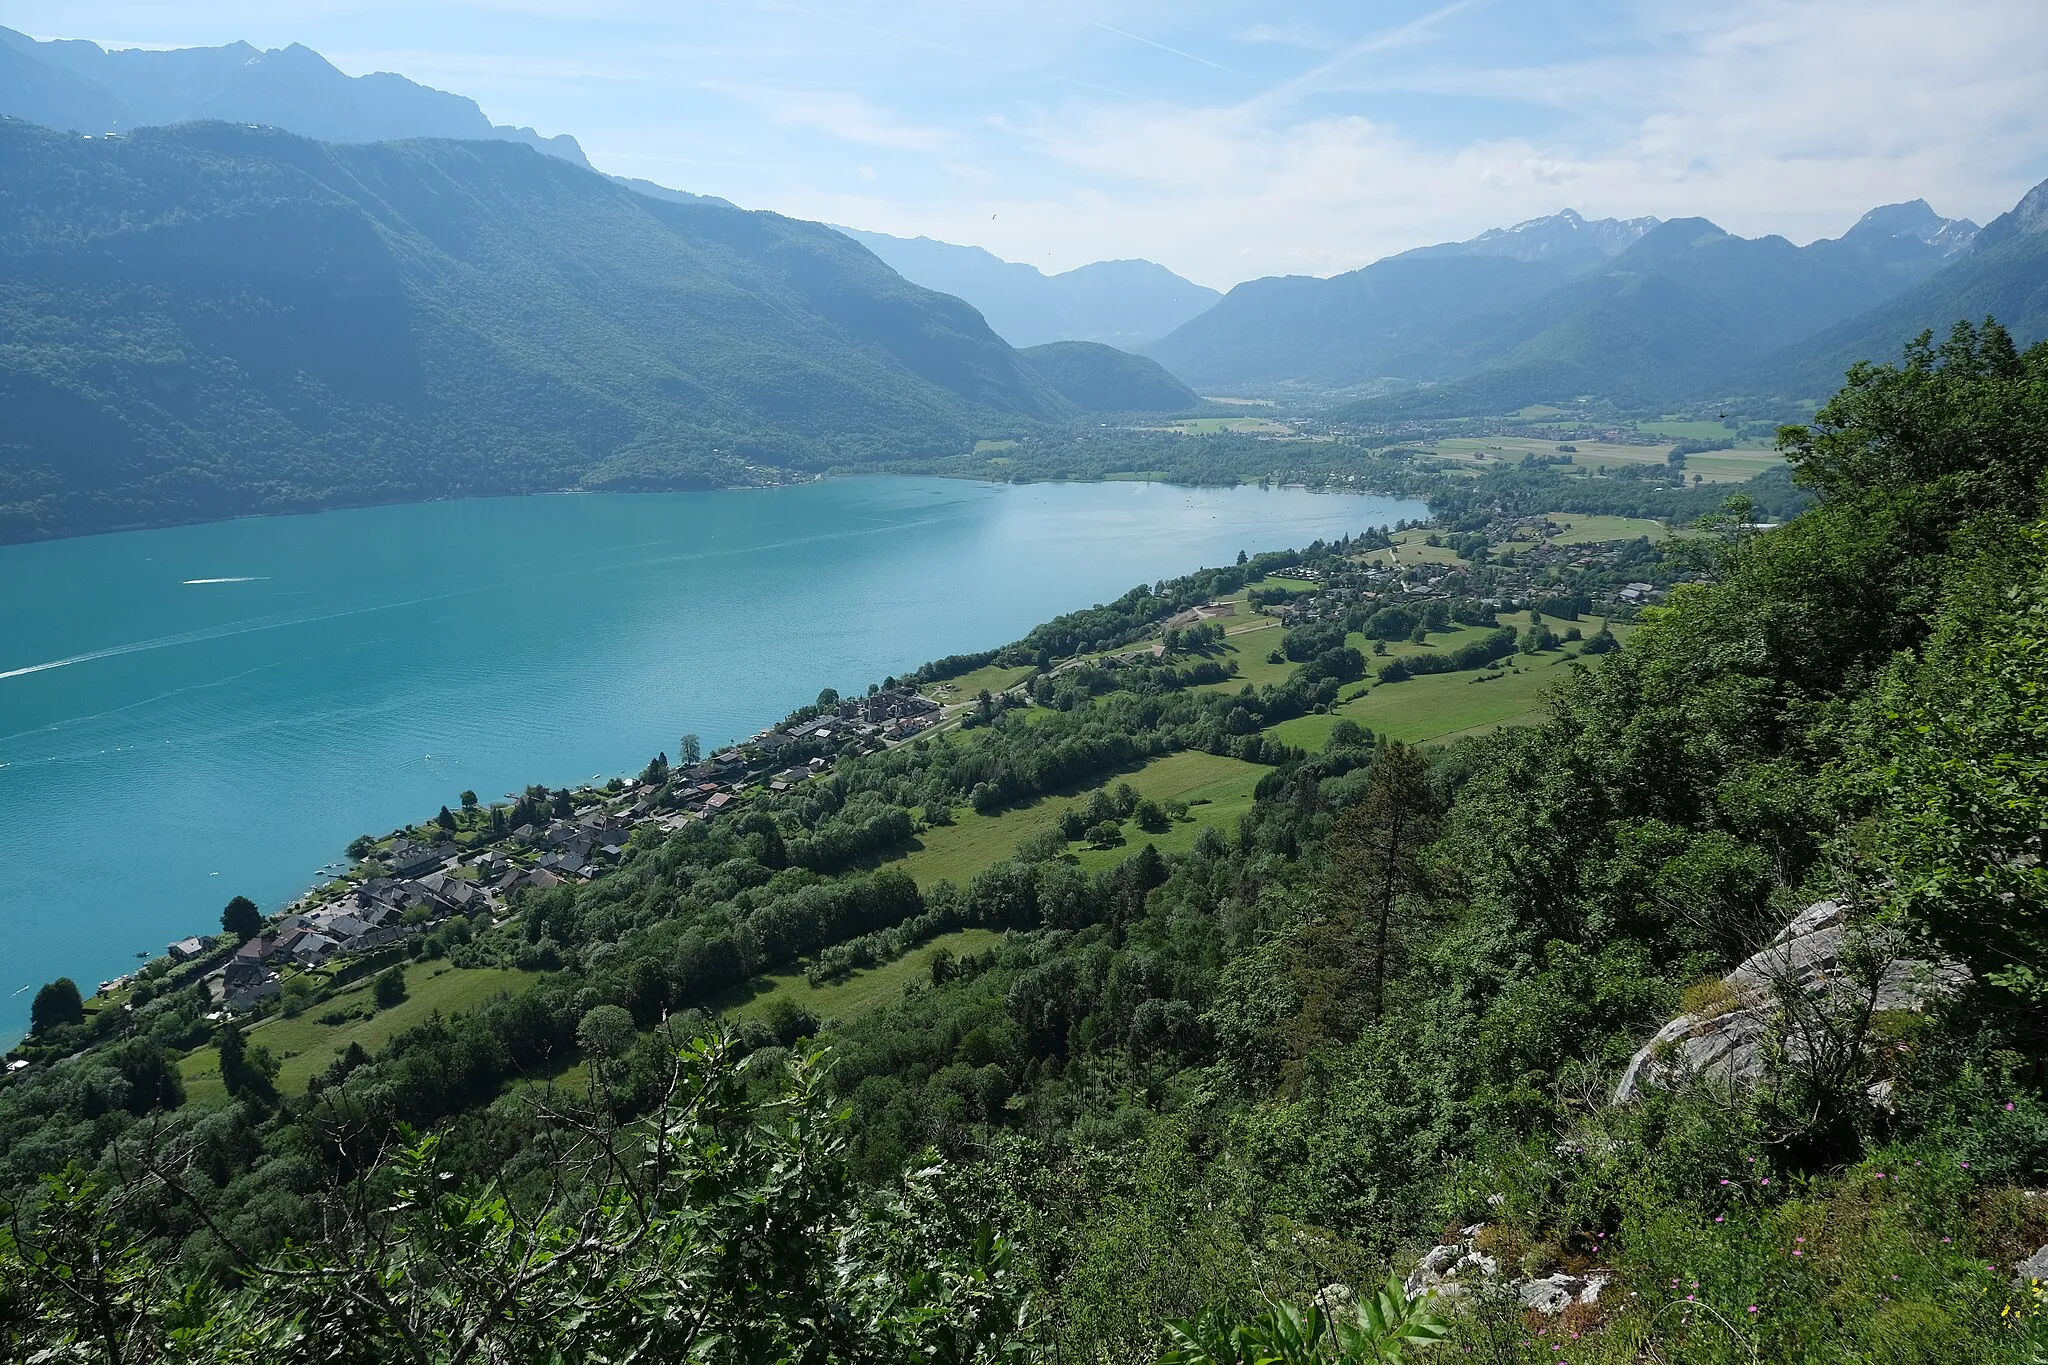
(1438, 706)
(305, 1046)
(1721, 466)
(1582, 529)
(1249, 648)
(1696, 431)
(861, 992)
(968, 685)
(1271, 582)
(956, 852)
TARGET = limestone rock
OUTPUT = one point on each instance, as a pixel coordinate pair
(1729, 1047)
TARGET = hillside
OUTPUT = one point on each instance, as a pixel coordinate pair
(1119, 303)
(1387, 319)
(1636, 311)
(1684, 306)
(213, 320)
(82, 87)
(1404, 911)
(1098, 378)
(2003, 276)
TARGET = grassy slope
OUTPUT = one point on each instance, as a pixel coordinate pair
(956, 852)
(860, 992)
(306, 1046)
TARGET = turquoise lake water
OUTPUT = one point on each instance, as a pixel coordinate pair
(204, 711)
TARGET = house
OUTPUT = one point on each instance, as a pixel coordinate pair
(251, 994)
(185, 949)
(407, 858)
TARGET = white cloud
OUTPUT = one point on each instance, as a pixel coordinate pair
(1768, 117)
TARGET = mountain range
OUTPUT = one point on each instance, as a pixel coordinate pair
(214, 319)
(1638, 310)
(1121, 303)
(84, 88)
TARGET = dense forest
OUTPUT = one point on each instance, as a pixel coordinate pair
(1199, 1105)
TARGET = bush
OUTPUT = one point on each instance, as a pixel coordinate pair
(389, 987)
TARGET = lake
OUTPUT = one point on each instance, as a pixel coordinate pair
(203, 711)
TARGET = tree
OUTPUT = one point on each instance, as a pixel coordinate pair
(605, 1035)
(1374, 852)
(828, 698)
(469, 800)
(247, 1070)
(56, 1005)
(241, 918)
(723, 1226)
(389, 987)
(361, 847)
(446, 820)
(689, 751)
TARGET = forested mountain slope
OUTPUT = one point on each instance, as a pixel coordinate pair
(1556, 308)
(2004, 275)
(1098, 378)
(212, 320)
(1686, 305)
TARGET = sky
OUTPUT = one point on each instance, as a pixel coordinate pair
(1225, 140)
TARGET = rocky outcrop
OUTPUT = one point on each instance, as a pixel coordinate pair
(1449, 1272)
(1728, 1044)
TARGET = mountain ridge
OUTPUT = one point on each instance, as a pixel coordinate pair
(82, 87)
(211, 320)
(1121, 303)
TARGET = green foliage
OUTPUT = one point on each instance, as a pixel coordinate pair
(1384, 1329)
(56, 1005)
(242, 918)
(724, 1231)
(389, 987)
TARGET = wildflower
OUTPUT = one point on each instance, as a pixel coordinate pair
(1752, 1308)
(2008, 1106)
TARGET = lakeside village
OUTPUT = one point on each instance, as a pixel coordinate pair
(472, 865)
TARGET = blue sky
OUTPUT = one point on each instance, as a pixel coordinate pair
(1226, 140)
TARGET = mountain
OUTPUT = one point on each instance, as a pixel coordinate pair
(1563, 239)
(1639, 311)
(213, 319)
(1102, 379)
(649, 188)
(1911, 241)
(2003, 274)
(1384, 320)
(1121, 303)
(80, 86)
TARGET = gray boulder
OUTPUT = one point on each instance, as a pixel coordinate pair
(1806, 959)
